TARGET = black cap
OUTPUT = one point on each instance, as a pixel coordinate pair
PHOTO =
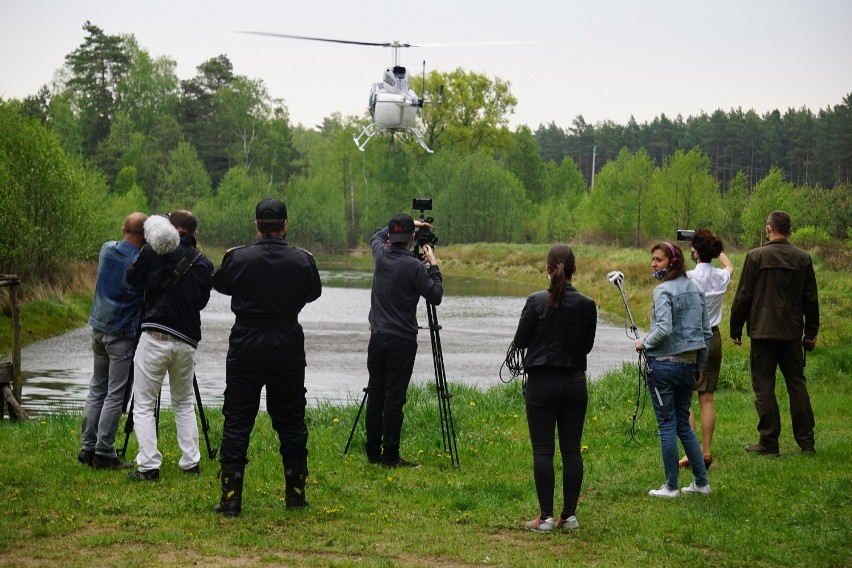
(400, 228)
(270, 209)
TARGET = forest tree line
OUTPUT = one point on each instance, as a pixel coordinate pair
(116, 131)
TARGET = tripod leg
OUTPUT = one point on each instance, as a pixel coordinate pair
(354, 424)
(157, 413)
(128, 428)
(445, 412)
(205, 426)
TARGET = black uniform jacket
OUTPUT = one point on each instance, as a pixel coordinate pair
(269, 283)
(176, 311)
(557, 337)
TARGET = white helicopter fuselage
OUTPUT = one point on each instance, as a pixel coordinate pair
(393, 105)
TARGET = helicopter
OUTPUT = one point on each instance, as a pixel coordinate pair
(393, 104)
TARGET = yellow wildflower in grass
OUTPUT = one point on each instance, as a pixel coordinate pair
(584, 448)
(471, 403)
(336, 420)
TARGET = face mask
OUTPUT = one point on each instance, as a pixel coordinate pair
(660, 274)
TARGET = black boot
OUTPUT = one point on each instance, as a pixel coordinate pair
(231, 503)
(295, 474)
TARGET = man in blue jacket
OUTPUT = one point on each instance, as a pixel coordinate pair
(114, 318)
(399, 280)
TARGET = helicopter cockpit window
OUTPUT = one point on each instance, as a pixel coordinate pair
(389, 78)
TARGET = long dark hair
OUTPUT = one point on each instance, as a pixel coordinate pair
(673, 252)
(561, 264)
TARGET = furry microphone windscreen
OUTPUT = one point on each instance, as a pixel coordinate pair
(161, 235)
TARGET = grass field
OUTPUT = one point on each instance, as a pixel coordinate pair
(788, 511)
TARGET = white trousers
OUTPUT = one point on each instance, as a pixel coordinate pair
(154, 358)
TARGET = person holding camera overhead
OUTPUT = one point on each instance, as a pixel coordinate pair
(399, 280)
(676, 351)
(557, 328)
(778, 300)
(714, 283)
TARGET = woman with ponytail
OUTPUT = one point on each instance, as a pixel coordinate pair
(557, 328)
(676, 351)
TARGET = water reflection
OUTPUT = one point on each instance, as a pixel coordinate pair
(478, 319)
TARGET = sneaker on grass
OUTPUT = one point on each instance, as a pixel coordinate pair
(540, 525)
(664, 491)
(692, 488)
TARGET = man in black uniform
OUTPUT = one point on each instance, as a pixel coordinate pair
(269, 283)
(399, 280)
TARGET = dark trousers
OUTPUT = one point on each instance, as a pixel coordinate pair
(285, 402)
(766, 355)
(556, 399)
(390, 361)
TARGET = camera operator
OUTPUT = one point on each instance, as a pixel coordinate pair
(399, 280)
(269, 282)
(714, 282)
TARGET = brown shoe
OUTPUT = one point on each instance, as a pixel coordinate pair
(762, 450)
(100, 462)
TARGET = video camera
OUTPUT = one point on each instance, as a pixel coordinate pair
(424, 235)
(685, 234)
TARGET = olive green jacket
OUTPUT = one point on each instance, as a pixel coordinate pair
(777, 294)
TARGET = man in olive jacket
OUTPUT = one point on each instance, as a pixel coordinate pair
(777, 299)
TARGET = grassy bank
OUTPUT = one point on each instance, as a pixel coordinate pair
(787, 511)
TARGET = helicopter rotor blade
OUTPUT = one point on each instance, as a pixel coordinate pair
(394, 44)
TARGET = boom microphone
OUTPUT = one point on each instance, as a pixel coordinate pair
(616, 277)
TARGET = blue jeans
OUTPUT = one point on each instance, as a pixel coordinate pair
(675, 382)
(113, 356)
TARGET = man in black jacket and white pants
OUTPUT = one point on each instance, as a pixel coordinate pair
(171, 330)
(399, 280)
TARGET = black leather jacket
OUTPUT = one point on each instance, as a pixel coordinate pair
(557, 338)
(176, 311)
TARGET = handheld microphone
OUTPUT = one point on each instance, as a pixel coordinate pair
(615, 277)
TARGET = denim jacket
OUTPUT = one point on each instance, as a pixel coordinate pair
(117, 306)
(679, 321)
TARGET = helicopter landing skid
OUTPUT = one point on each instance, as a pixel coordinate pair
(373, 129)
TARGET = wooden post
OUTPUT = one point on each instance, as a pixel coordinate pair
(12, 282)
(16, 411)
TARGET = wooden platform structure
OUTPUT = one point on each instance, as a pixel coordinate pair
(10, 372)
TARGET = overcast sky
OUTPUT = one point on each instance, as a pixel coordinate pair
(605, 60)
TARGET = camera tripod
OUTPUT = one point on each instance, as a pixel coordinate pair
(445, 411)
(128, 424)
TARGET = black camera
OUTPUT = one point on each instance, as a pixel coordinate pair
(423, 235)
(685, 234)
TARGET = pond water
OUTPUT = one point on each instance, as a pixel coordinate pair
(478, 318)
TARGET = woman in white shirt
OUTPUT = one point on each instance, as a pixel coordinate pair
(714, 282)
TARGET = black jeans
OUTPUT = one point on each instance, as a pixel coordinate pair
(556, 398)
(285, 402)
(390, 361)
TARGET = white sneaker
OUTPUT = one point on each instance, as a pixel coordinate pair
(692, 488)
(540, 525)
(569, 523)
(664, 491)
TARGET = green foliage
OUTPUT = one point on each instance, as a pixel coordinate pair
(810, 238)
(619, 202)
(184, 180)
(685, 194)
(42, 212)
(228, 218)
(772, 193)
